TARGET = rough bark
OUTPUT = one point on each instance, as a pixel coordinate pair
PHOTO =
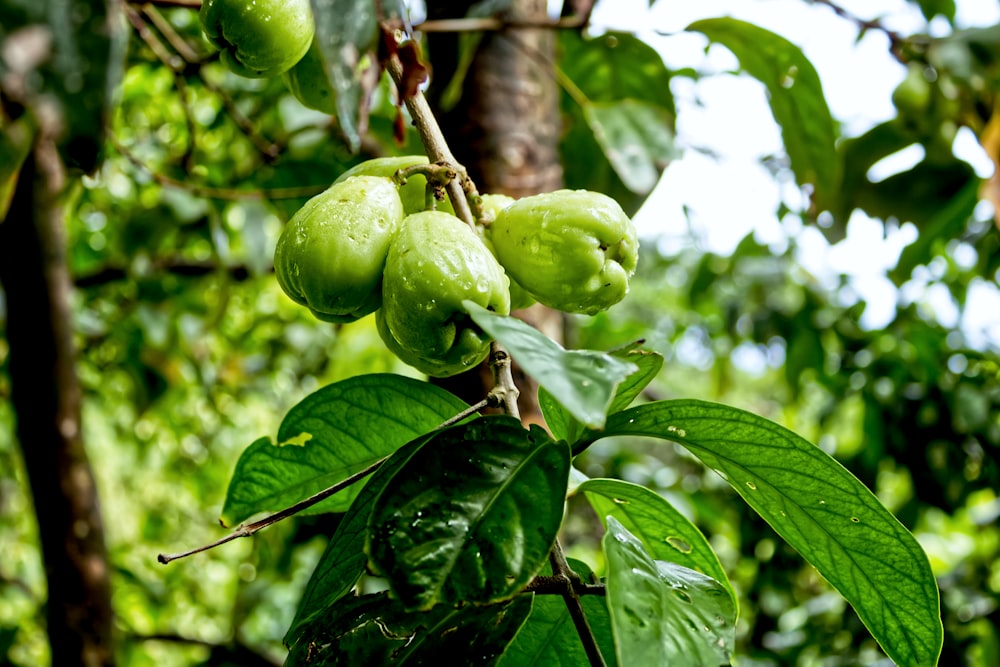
(505, 130)
(46, 396)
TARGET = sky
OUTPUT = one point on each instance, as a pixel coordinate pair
(719, 199)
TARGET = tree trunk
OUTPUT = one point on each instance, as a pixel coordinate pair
(46, 396)
(505, 130)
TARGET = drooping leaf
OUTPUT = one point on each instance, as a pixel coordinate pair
(932, 8)
(472, 516)
(637, 139)
(661, 613)
(666, 533)
(549, 638)
(343, 561)
(330, 435)
(796, 97)
(582, 381)
(615, 66)
(561, 423)
(816, 506)
(377, 630)
(345, 31)
(607, 70)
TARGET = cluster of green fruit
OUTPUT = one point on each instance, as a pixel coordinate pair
(367, 245)
(261, 39)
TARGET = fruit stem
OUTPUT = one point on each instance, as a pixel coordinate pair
(504, 392)
(435, 144)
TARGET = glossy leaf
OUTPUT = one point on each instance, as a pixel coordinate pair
(637, 140)
(605, 70)
(796, 97)
(582, 381)
(377, 630)
(344, 559)
(345, 31)
(562, 425)
(549, 638)
(471, 517)
(330, 435)
(816, 506)
(666, 534)
(615, 66)
(661, 613)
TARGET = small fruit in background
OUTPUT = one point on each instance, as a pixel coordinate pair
(258, 38)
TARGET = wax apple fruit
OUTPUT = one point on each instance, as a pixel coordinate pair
(573, 250)
(331, 254)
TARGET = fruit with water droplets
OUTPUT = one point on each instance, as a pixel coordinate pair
(331, 254)
(573, 250)
(435, 263)
(258, 38)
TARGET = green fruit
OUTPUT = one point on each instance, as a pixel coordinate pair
(413, 193)
(331, 254)
(435, 262)
(573, 250)
(492, 205)
(258, 38)
(912, 97)
(309, 83)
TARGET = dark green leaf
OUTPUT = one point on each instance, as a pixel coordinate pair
(857, 155)
(796, 97)
(344, 560)
(376, 630)
(664, 614)
(472, 516)
(604, 70)
(583, 381)
(549, 638)
(616, 66)
(637, 140)
(947, 223)
(345, 31)
(932, 8)
(666, 533)
(819, 508)
(330, 435)
(918, 194)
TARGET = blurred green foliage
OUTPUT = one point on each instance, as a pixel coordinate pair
(189, 352)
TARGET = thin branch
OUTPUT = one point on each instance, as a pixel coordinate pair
(435, 144)
(556, 585)
(189, 4)
(163, 26)
(495, 23)
(251, 528)
(897, 41)
(504, 393)
(216, 193)
(174, 62)
(562, 569)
